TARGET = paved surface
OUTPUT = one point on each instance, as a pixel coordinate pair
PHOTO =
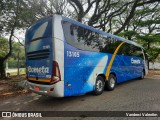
(135, 95)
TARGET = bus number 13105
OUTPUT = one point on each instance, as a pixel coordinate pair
(73, 54)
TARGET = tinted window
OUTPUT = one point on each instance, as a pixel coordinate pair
(125, 50)
(130, 50)
(137, 51)
(86, 39)
(80, 37)
(91, 40)
(42, 29)
(110, 46)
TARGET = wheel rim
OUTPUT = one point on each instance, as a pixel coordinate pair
(99, 85)
(112, 82)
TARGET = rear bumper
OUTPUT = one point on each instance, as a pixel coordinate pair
(58, 89)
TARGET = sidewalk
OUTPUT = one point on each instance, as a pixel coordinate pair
(14, 71)
(153, 74)
(11, 70)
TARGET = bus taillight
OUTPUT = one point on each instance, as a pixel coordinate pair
(56, 76)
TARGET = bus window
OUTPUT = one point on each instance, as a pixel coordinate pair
(125, 50)
(80, 38)
(110, 46)
(91, 40)
(138, 52)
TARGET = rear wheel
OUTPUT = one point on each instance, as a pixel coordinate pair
(99, 86)
(110, 83)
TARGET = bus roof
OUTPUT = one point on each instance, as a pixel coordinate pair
(105, 34)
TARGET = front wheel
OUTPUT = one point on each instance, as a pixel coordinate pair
(110, 83)
(99, 86)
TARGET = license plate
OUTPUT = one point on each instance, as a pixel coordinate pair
(37, 88)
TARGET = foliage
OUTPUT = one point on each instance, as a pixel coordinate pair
(8, 23)
(18, 51)
(143, 28)
(151, 44)
(4, 48)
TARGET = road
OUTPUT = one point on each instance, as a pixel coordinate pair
(134, 95)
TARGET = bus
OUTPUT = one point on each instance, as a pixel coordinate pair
(67, 58)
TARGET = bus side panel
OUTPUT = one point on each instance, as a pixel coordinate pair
(81, 69)
(119, 68)
(139, 67)
(127, 67)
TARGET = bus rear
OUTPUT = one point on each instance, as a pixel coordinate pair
(43, 72)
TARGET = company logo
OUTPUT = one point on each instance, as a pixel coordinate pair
(6, 114)
(135, 61)
(38, 70)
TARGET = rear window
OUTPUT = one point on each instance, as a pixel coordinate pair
(42, 29)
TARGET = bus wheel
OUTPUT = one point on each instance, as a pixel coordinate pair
(142, 75)
(99, 86)
(110, 83)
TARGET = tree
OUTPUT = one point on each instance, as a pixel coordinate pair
(4, 48)
(8, 23)
(20, 14)
(18, 54)
(105, 10)
(143, 29)
(33, 10)
(100, 14)
(148, 35)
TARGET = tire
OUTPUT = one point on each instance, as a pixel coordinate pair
(142, 75)
(99, 86)
(110, 83)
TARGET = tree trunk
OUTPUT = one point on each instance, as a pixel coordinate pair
(148, 45)
(2, 69)
(18, 65)
(148, 64)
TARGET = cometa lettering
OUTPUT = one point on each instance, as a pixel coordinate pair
(38, 70)
(133, 61)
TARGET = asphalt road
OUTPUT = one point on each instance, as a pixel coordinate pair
(134, 95)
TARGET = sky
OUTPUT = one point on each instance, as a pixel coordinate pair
(20, 34)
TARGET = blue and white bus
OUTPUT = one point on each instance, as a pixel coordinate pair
(67, 58)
